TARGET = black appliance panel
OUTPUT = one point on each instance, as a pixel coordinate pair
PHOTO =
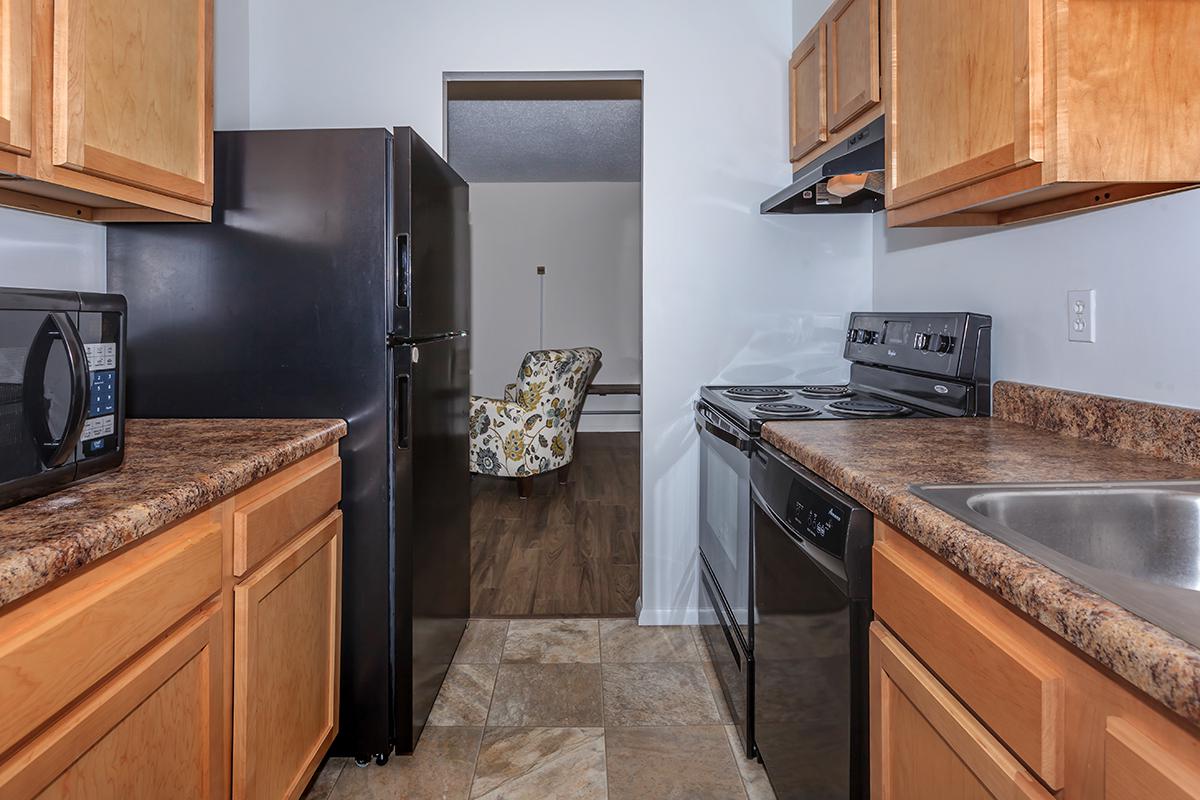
(948, 345)
(432, 289)
(725, 512)
(732, 661)
(812, 611)
(432, 512)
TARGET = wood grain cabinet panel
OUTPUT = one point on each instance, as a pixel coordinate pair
(807, 75)
(293, 500)
(925, 744)
(1009, 686)
(60, 644)
(853, 31)
(153, 731)
(1135, 768)
(132, 93)
(286, 642)
(966, 92)
(16, 80)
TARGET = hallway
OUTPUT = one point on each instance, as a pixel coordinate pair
(586, 709)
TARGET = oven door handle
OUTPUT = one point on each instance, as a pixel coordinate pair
(705, 421)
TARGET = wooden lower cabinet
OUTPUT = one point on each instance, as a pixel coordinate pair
(152, 731)
(286, 641)
(925, 744)
(972, 699)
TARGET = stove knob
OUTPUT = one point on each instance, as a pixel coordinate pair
(943, 344)
(872, 337)
(921, 341)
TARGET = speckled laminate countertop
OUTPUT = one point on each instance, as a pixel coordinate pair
(172, 468)
(876, 461)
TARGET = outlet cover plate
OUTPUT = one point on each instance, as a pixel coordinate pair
(1081, 315)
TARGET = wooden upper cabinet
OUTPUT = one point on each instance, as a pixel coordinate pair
(853, 33)
(1003, 111)
(132, 93)
(16, 79)
(966, 92)
(806, 85)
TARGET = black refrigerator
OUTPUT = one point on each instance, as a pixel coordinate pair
(334, 281)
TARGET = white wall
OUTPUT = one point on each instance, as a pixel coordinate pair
(231, 65)
(588, 235)
(1141, 259)
(727, 292)
(41, 252)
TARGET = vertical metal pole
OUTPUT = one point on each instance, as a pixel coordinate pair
(541, 272)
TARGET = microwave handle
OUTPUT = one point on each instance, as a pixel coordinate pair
(58, 326)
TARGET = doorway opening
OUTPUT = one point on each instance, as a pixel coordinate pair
(554, 163)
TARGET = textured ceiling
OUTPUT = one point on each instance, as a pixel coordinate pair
(517, 141)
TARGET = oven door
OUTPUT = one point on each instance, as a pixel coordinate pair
(725, 514)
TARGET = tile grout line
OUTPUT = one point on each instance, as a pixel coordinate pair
(484, 729)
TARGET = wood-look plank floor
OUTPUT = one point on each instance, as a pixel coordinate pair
(567, 551)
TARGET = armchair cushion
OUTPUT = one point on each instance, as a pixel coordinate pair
(533, 432)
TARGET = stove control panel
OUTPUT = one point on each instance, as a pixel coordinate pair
(949, 345)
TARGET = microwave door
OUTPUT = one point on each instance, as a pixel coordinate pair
(43, 392)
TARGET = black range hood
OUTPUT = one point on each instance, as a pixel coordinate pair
(861, 152)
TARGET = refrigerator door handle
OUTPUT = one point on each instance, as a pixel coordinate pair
(403, 390)
(403, 270)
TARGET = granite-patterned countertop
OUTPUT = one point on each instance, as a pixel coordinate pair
(172, 468)
(876, 461)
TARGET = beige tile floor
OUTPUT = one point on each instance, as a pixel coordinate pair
(586, 709)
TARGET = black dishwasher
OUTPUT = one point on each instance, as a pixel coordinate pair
(812, 608)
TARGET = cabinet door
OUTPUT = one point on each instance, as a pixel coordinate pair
(16, 78)
(154, 730)
(925, 744)
(1136, 767)
(806, 82)
(133, 93)
(853, 31)
(287, 632)
(965, 92)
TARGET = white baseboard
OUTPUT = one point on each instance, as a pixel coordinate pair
(668, 616)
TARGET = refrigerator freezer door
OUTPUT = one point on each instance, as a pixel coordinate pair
(431, 280)
(433, 496)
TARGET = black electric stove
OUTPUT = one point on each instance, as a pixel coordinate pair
(754, 499)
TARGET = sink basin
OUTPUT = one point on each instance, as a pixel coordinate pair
(1137, 543)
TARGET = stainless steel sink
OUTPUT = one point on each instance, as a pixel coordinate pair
(1138, 543)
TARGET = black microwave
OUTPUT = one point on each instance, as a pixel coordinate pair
(62, 389)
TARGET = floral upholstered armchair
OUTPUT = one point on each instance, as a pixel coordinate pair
(532, 430)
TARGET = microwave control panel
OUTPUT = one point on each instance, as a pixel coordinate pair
(101, 427)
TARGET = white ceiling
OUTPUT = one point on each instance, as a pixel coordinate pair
(519, 141)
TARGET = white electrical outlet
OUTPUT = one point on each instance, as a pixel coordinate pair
(1081, 315)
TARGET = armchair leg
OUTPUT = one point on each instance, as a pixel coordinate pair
(524, 487)
(564, 473)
